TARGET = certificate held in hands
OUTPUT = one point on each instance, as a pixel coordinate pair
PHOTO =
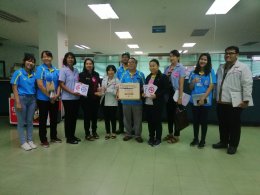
(129, 91)
(81, 88)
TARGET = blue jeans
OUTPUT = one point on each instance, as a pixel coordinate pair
(25, 117)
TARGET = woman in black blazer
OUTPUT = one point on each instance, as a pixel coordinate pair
(90, 104)
(155, 102)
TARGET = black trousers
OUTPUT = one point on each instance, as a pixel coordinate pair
(229, 124)
(110, 117)
(71, 108)
(200, 117)
(120, 116)
(171, 110)
(46, 107)
(90, 109)
(154, 119)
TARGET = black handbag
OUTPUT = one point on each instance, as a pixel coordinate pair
(181, 118)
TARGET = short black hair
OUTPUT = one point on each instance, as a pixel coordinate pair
(175, 53)
(133, 59)
(126, 54)
(47, 53)
(109, 67)
(84, 68)
(232, 48)
(208, 66)
(155, 61)
(28, 57)
(66, 56)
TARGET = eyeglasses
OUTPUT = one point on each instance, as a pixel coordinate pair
(230, 53)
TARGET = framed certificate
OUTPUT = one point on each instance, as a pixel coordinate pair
(129, 91)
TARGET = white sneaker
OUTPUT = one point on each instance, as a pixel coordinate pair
(33, 146)
(26, 146)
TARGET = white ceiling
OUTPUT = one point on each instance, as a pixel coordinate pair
(181, 17)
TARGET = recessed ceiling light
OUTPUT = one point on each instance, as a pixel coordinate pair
(256, 58)
(139, 52)
(84, 46)
(124, 35)
(185, 51)
(79, 46)
(221, 6)
(104, 11)
(133, 46)
(188, 44)
(180, 51)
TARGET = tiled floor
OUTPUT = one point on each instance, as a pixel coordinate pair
(111, 167)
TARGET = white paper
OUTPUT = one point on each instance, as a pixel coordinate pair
(185, 97)
(236, 98)
(149, 89)
(148, 101)
(81, 88)
(196, 97)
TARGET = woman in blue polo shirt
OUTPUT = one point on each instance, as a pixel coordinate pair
(176, 75)
(47, 95)
(201, 81)
(23, 85)
(68, 77)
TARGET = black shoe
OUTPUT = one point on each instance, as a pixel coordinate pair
(139, 140)
(119, 132)
(56, 140)
(151, 142)
(77, 139)
(157, 142)
(126, 138)
(201, 144)
(72, 142)
(132, 132)
(95, 136)
(231, 150)
(219, 145)
(194, 142)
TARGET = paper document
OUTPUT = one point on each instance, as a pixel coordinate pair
(149, 89)
(185, 97)
(81, 88)
(196, 98)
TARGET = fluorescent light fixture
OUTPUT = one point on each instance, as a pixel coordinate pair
(221, 6)
(84, 46)
(79, 47)
(256, 58)
(185, 51)
(124, 35)
(139, 52)
(133, 46)
(104, 11)
(188, 44)
(180, 51)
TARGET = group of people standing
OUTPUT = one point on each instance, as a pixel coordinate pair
(48, 84)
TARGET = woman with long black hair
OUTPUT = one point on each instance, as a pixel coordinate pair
(90, 103)
(201, 81)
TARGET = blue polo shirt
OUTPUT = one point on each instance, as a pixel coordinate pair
(177, 73)
(138, 77)
(203, 85)
(25, 82)
(46, 74)
(120, 71)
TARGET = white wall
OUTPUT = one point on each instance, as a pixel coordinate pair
(14, 53)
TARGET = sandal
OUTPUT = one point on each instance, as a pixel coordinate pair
(113, 136)
(167, 137)
(89, 138)
(173, 140)
(107, 137)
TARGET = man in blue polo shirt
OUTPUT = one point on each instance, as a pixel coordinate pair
(132, 109)
(119, 73)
